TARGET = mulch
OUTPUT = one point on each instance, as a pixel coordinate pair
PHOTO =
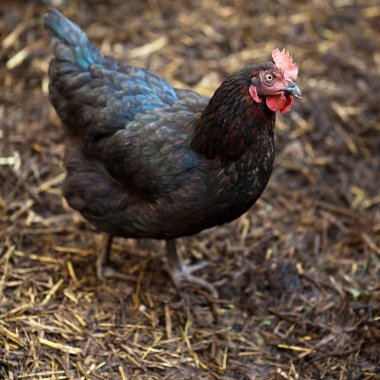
(298, 275)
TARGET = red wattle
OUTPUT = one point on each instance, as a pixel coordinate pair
(279, 102)
(254, 94)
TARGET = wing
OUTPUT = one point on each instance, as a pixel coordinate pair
(151, 154)
(94, 95)
(102, 100)
(131, 123)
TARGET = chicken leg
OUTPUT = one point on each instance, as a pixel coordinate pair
(178, 272)
(183, 273)
(104, 268)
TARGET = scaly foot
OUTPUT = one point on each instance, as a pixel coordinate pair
(182, 274)
(104, 269)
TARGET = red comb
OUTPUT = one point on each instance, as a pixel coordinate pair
(283, 61)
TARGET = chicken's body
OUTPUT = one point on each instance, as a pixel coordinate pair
(172, 190)
(145, 160)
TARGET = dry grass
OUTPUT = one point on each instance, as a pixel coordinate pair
(298, 275)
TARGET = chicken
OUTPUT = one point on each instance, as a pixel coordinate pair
(146, 160)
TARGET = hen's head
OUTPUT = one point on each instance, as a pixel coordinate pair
(274, 83)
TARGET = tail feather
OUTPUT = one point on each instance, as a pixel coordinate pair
(70, 43)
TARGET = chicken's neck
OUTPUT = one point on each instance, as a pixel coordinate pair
(232, 125)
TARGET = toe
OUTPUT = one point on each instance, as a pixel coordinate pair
(184, 277)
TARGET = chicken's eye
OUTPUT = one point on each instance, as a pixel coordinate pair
(269, 77)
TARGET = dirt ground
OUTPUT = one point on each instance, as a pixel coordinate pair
(298, 275)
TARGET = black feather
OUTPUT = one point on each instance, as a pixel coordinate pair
(146, 160)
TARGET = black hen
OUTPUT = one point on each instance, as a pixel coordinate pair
(145, 160)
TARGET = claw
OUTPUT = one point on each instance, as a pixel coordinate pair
(181, 274)
(105, 272)
(103, 268)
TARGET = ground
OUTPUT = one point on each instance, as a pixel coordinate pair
(298, 275)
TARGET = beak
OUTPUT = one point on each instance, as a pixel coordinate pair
(293, 89)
